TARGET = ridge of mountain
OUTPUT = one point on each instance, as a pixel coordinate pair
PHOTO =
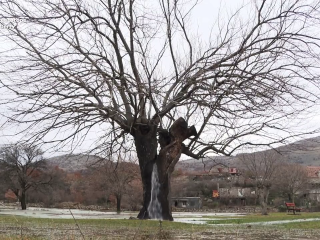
(73, 162)
(205, 164)
(304, 152)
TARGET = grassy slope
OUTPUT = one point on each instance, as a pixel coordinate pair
(252, 218)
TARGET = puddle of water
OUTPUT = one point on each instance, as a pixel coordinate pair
(65, 213)
(55, 213)
(269, 222)
(183, 217)
(286, 221)
(200, 214)
(198, 220)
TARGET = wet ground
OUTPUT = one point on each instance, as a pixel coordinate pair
(99, 233)
(252, 231)
(184, 217)
(54, 213)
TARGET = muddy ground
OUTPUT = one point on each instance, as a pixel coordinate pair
(94, 233)
(52, 231)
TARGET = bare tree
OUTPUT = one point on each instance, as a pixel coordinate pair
(263, 168)
(21, 168)
(115, 178)
(135, 68)
(293, 179)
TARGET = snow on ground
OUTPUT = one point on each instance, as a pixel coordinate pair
(55, 213)
(184, 217)
(286, 221)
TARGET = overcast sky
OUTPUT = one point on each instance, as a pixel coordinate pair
(207, 13)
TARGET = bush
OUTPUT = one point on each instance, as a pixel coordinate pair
(282, 208)
(314, 207)
(278, 201)
(215, 204)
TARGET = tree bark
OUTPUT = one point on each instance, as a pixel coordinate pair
(264, 201)
(292, 194)
(22, 199)
(256, 198)
(145, 139)
(171, 147)
(118, 203)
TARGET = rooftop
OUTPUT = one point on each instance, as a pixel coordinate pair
(313, 172)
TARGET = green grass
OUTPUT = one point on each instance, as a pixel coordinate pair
(36, 228)
(100, 223)
(302, 225)
(29, 228)
(252, 218)
(125, 223)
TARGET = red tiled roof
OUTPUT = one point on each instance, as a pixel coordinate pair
(10, 195)
(233, 170)
(313, 171)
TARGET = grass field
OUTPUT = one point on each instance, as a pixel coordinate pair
(256, 218)
(12, 227)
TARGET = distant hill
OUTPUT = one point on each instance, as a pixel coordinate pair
(205, 164)
(305, 152)
(74, 162)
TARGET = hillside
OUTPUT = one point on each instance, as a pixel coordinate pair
(203, 165)
(305, 152)
(74, 162)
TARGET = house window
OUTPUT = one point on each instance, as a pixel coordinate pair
(184, 203)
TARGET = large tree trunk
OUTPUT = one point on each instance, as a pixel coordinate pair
(118, 203)
(145, 138)
(256, 198)
(22, 200)
(292, 194)
(264, 201)
(156, 169)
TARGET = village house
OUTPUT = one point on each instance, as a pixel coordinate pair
(236, 195)
(219, 171)
(222, 168)
(314, 179)
(313, 174)
(187, 202)
(10, 196)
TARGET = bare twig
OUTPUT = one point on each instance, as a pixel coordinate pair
(78, 226)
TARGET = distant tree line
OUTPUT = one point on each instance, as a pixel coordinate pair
(269, 175)
(26, 176)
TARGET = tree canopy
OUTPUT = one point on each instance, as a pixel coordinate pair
(23, 167)
(138, 68)
(76, 65)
